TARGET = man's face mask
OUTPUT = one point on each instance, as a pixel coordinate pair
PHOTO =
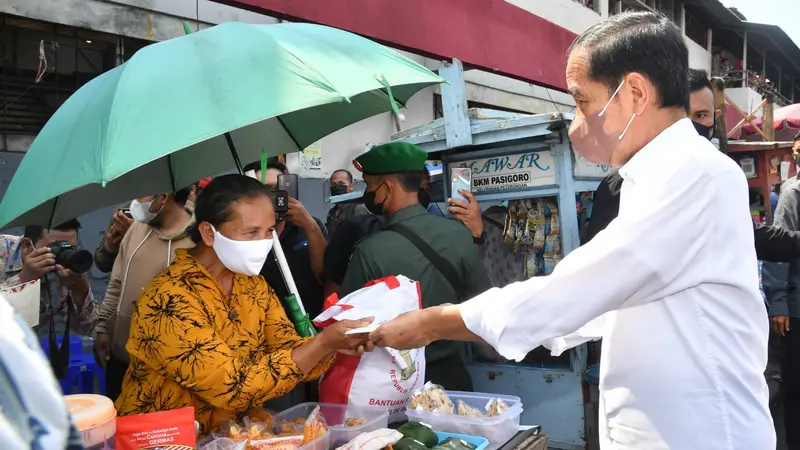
(424, 196)
(338, 189)
(589, 139)
(704, 130)
(370, 203)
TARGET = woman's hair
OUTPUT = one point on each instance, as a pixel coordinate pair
(214, 204)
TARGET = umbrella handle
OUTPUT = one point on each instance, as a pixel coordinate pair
(283, 265)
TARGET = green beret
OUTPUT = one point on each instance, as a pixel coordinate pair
(394, 157)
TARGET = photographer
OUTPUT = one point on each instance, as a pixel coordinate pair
(52, 256)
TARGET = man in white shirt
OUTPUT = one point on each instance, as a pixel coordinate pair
(671, 285)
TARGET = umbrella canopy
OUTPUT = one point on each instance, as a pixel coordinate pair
(786, 118)
(169, 115)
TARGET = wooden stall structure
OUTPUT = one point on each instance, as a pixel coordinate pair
(761, 163)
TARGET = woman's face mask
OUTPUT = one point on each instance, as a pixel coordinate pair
(244, 257)
(589, 139)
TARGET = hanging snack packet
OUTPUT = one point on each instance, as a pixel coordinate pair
(174, 429)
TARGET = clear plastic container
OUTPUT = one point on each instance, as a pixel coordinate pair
(336, 415)
(498, 430)
(95, 418)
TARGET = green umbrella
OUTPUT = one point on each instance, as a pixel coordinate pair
(197, 105)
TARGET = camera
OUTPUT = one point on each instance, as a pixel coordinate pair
(280, 201)
(71, 257)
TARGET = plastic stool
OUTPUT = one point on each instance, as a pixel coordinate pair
(81, 375)
(75, 344)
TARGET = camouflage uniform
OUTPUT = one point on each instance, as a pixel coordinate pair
(53, 296)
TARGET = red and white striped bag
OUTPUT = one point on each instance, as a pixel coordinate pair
(384, 377)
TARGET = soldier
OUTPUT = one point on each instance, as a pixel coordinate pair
(438, 252)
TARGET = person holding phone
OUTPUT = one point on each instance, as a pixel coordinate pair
(147, 247)
(304, 240)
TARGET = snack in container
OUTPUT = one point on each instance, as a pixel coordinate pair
(314, 427)
(495, 407)
(432, 397)
(466, 410)
(454, 443)
(355, 422)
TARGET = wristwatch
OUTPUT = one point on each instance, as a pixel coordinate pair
(480, 239)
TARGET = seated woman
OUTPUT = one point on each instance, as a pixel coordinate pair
(208, 332)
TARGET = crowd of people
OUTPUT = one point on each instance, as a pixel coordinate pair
(667, 275)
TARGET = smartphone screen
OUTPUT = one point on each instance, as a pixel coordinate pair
(460, 179)
(288, 183)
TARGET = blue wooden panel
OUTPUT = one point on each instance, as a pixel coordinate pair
(550, 398)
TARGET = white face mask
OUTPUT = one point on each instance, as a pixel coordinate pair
(141, 211)
(244, 257)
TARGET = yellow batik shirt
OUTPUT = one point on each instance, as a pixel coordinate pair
(192, 345)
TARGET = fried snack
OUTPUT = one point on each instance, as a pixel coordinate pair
(314, 427)
(468, 411)
(355, 422)
(496, 407)
(433, 398)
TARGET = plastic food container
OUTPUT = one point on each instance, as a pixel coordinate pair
(480, 442)
(336, 415)
(497, 430)
(95, 418)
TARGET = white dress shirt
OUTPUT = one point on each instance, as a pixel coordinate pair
(671, 286)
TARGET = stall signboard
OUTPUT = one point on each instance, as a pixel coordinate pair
(587, 169)
(511, 172)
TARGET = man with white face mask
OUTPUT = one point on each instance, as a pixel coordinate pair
(147, 248)
(671, 285)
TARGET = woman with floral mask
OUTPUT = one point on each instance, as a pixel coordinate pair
(208, 332)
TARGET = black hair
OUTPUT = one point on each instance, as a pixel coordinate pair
(214, 203)
(347, 172)
(182, 195)
(410, 181)
(797, 136)
(272, 163)
(36, 232)
(643, 42)
(698, 79)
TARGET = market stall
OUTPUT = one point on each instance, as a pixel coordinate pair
(526, 160)
(765, 164)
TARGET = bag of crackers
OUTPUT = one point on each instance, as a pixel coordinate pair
(266, 434)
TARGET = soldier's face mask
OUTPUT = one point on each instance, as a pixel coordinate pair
(371, 204)
(424, 196)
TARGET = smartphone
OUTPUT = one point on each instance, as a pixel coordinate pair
(460, 179)
(288, 182)
(126, 212)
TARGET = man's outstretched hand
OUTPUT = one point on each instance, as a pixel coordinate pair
(406, 332)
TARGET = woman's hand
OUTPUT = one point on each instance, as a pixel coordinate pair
(335, 338)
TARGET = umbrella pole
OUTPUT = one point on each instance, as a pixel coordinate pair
(298, 316)
(235, 155)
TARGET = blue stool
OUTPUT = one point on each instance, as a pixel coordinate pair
(75, 344)
(81, 375)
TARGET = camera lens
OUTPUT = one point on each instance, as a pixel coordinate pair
(78, 261)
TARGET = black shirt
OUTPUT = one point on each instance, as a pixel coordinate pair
(295, 246)
(605, 207)
(343, 241)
